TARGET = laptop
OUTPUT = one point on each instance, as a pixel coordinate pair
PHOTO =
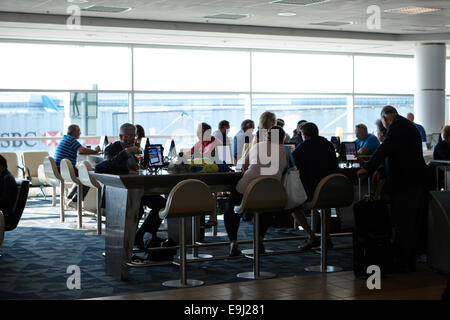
(103, 143)
(154, 156)
(223, 154)
(348, 151)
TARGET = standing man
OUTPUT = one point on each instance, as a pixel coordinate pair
(123, 151)
(366, 143)
(68, 148)
(423, 134)
(406, 181)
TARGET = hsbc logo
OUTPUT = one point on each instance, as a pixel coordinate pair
(17, 144)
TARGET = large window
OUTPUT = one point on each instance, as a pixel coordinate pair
(174, 89)
(178, 115)
(191, 70)
(293, 72)
(385, 75)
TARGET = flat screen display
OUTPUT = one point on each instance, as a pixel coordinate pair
(154, 155)
(349, 149)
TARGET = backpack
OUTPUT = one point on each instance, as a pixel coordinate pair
(160, 255)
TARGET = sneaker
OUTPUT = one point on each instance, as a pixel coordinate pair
(262, 250)
(234, 251)
(72, 204)
(311, 243)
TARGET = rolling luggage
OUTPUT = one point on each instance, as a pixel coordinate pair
(372, 235)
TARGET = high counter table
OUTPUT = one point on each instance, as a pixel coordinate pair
(123, 198)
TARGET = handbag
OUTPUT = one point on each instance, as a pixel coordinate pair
(296, 194)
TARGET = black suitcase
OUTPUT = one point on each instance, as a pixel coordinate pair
(371, 236)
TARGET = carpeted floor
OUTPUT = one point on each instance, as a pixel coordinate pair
(36, 255)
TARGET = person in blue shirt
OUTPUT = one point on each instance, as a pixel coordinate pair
(423, 134)
(366, 143)
(68, 148)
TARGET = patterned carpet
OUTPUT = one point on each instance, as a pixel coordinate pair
(35, 257)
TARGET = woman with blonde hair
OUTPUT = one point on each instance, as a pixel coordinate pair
(266, 121)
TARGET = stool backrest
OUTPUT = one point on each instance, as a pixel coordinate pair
(84, 176)
(189, 198)
(68, 172)
(264, 194)
(333, 191)
(13, 162)
(51, 171)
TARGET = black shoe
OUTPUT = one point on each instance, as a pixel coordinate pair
(234, 251)
(311, 243)
(262, 250)
(139, 242)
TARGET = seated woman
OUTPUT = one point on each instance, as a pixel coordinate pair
(206, 144)
(255, 170)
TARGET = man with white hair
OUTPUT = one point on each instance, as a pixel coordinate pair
(124, 151)
(400, 156)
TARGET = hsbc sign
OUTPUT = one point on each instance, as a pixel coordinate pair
(15, 143)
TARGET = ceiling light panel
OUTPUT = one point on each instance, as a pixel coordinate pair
(412, 10)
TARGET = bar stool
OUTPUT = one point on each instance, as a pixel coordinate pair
(333, 191)
(56, 180)
(184, 202)
(264, 194)
(89, 181)
(68, 174)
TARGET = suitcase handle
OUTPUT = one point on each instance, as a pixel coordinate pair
(359, 185)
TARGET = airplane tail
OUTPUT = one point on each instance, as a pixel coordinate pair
(48, 104)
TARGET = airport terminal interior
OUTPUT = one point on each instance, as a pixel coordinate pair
(74, 72)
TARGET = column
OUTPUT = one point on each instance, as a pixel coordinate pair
(429, 98)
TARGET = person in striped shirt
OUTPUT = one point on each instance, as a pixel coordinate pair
(68, 148)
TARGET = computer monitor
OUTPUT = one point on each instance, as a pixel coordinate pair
(348, 151)
(103, 143)
(223, 154)
(172, 149)
(434, 139)
(154, 153)
(291, 146)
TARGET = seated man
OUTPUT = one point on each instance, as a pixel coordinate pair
(442, 149)
(423, 134)
(297, 138)
(315, 158)
(366, 143)
(123, 151)
(254, 171)
(8, 192)
(247, 127)
(68, 148)
(222, 133)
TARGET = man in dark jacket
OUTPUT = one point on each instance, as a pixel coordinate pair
(315, 158)
(123, 152)
(8, 192)
(401, 157)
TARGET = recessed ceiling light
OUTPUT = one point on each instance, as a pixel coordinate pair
(77, 1)
(412, 10)
(230, 16)
(287, 14)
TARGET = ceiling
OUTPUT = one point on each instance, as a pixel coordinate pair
(185, 22)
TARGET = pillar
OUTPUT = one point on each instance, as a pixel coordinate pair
(429, 98)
